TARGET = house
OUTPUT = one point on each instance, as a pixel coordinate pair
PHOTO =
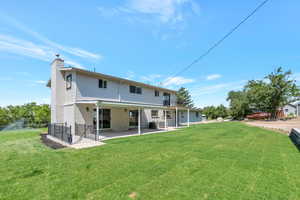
(87, 101)
(291, 109)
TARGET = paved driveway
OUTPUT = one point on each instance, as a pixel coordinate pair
(285, 126)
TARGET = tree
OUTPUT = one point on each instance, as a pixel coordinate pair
(32, 114)
(221, 111)
(42, 115)
(239, 104)
(184, 98)
(277, 90)
(213, 112)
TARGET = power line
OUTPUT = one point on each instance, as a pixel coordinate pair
(221, 40)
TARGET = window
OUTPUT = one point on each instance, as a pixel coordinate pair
(156, 93)
(102, 83)
(286, 110)
(197, 114)
(168, 114)
(154, 113)
(135, 90)
(138, 90)
(69, 82)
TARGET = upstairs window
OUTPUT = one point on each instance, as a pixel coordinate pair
(102, 83)
(156, 93)
(154, 113)
(135, 89)
(69, 81)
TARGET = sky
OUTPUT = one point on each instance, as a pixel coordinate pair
(147, 41)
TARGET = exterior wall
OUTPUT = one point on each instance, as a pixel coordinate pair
(288, 110)
(57, 92)
(87, 88)
(119, 119)
(193, 118)
(160, 120)
(84, 114)
(70, 94)
(298, 110)
(69, 117)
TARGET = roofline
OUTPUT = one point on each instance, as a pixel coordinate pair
(89, 73)
(134, 104)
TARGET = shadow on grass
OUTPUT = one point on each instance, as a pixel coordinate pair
(50, 143)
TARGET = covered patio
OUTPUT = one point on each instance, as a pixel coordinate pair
(110, 119)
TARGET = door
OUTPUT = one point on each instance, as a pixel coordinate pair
(166, 99)
(104, 118)
(133, 118)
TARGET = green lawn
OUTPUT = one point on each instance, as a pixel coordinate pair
(209, 161)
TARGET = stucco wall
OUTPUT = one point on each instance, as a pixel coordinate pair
(57, 92)
(120, 117)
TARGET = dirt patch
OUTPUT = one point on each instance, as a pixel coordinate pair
(279, 125)
(50, 143)
(133, 195)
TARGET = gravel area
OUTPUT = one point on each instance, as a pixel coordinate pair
(285, 126)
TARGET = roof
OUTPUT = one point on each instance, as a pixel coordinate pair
(133, 104)
(114, 78)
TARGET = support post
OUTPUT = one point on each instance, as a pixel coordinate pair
(176, 117)
(165, 119)
(188, 117)
(97, 122)
(139, 121)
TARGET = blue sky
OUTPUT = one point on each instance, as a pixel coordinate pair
(146, 40)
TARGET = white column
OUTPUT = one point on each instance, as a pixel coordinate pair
(97, 122)
(139, 121)
(176, 113)
(188, 117)
(165, 119)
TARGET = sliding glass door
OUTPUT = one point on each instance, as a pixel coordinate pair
(104, 118)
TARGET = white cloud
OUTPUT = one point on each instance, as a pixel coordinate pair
(129, 75)
(27, 48)
(53, 46)
(165, 11)
(151, 77)
(40, 82)
(176, 81)
(223, 87)
(213, 77)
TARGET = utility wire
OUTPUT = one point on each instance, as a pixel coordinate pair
(221, 40)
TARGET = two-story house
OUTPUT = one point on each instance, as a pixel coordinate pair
(104, 102)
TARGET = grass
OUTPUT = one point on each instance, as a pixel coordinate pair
(209, 161)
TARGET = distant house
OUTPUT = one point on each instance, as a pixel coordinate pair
(292, 109)
(81, 98)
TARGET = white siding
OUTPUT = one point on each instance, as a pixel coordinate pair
(193, 118)
(87, 88)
